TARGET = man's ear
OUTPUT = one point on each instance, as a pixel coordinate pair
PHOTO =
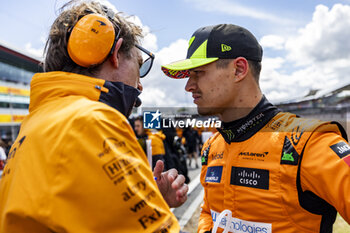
(115, 55)
(242, 68)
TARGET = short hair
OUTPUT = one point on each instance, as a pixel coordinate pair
(138, 118)
(255, 67)
(56, 54)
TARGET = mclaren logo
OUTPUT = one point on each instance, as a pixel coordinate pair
(96, 25)
(101, 23)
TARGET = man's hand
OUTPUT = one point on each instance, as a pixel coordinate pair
(171, 185)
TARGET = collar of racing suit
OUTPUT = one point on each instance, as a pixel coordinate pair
(52, 85)
(120, 96)
(242, 129)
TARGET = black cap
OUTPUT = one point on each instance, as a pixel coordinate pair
(208, 44)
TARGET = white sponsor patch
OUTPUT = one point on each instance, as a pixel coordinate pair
(241, 226)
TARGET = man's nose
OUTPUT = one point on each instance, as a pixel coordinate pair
(190, 85)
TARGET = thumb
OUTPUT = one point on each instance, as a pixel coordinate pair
(158, 169)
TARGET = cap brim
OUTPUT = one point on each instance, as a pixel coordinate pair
(180, 69)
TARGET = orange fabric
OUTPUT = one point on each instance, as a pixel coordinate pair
(76, 166)
(259, 186)
(157, 142)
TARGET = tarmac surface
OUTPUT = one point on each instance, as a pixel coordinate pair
(185, 212)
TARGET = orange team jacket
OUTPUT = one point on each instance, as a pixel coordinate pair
(276, 173)
(77, 167)
(157, 142)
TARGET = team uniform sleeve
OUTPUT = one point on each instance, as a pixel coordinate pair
(205, 223)
(325, 168)
(104, 182)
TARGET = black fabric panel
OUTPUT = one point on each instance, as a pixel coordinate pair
(202, 35)
(120, 96)
(244, 128)
(341, 129)
(316, 205)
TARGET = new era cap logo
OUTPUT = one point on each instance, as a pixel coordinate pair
(225, 48)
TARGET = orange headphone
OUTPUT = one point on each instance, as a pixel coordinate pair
(92, 39)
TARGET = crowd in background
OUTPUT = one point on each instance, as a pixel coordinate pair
(176, 147)
(5, 146)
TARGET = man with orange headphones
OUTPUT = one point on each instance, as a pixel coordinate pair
(76, 165)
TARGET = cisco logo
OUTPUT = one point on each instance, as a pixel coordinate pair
(250, 177)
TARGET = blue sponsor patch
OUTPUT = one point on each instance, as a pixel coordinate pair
(213, 174)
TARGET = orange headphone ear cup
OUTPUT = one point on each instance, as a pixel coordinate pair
(91, 40)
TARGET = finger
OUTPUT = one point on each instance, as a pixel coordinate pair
(172, 174)
(180, 199)
(178, 182)
(181, 192)
(158, 169)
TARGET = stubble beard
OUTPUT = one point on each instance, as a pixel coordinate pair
(208, 111)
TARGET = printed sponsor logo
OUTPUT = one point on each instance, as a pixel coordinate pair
(218, 156)
(250, 177)
(165, 227)
(11, 155)
(120, 167)
(342, 149)
(143, 203)
(15, 148)
(250, 123)
(96, 25)
(296, 135)
(225, 48)
(113, 144)
(132, 190)
(148, 219)
(229, 134)
(213, 174)
(237, 225)
(204, 156)
(274, 125)
(289, 155)
(138, 206)
(253, 156)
